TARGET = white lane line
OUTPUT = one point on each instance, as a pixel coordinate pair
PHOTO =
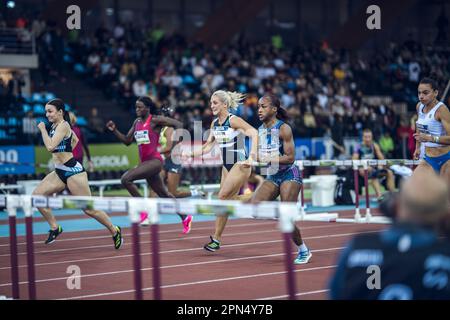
(297, 295)
(199, 282)
(172, 266)
(148, 242)
(181, 250)
(148, 232)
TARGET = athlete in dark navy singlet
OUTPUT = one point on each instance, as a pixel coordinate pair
(370, 150)
(276, 148)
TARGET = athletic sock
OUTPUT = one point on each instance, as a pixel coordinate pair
(303, 248)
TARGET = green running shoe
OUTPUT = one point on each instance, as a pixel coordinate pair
(117, 238)
(213, 245)
(52, 234)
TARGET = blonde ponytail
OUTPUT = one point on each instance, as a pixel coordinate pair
(231, 99)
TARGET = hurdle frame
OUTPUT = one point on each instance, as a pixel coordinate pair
(191, 206)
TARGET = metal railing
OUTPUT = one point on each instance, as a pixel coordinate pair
(17, 41)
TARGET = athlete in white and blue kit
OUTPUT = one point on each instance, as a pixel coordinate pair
(433, 127)
(228, 131)
(276, 148)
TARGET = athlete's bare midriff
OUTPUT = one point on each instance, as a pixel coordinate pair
(61, 157)
(437, 152)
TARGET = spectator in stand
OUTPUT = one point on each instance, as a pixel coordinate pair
(140, 88)
(29, 129)
(387, 144)
(404, 132)
(316, 76)
(82, 145)
(96, 124)
(2, 93)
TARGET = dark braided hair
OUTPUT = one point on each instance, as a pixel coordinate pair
(148, 102)
(275, 102)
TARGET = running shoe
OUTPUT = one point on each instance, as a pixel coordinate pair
(187, 222)
(213, 245)
(117, 238)
(144, 220)
(53, 234)
(198, 193)
(303, 257)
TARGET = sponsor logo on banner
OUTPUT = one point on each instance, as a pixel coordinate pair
(39, 202)
(245, 211)
(17, 160)
(55, 203)
(101, 204)
(118, 206)
(321, 148)
(266, 211)
(167, 208)
(111, 161)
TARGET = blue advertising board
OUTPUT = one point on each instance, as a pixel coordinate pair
(17, 159)
(307, 148)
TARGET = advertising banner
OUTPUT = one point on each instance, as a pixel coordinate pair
(106, 157)
(11, 155)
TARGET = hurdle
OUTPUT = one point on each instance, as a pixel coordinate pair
(355, 165)
(285, 212)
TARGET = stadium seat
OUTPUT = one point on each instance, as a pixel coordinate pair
(79, 68)
(37, 97)
(81, 121)
(39, 109)
(26, 108)
(2, 121)
(49, 96)
(68, 58)
(12, 121)
(27, 98)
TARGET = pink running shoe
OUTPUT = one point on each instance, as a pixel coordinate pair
(187, 224)
(143, 219)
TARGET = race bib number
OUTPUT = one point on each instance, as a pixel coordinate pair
(221, 135)
(269, 151)
(422, 128)
(142, 137)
